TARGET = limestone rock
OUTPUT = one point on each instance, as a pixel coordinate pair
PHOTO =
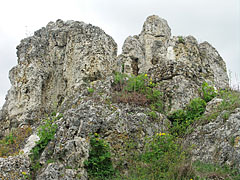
(64, 60)
(14, 167)
(31, 142)
(118, 124)
(52, 65)
(140, 52)
(218, 141)
(178, 64)
(210, 57)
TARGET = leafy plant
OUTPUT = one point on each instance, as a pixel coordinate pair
(138, 90)
(46, 133)
(153, 115)
(159, 160)
(207, 170)
(183, 118)
(136, 83)
(90, 90)
(181, 40)
(208, 92)
(99, 165)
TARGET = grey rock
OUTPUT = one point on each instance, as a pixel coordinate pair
(52, 65)
(178, 64)
(218, 141)
(13, 167)
(57, 66)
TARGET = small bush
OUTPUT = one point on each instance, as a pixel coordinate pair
(136, 83)
(160, 159)
(99, 165)
(208, 92)
(46, 133)
(215, 171)
(183, 118)
(153, 115)
(138, 90)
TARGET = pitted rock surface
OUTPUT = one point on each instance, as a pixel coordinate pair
(218, 141)
(179, 64)
(52, 65)
(62, 61)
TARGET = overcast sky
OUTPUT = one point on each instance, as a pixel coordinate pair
(215, 21)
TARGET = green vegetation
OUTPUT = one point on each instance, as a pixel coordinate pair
(99, 165)
(163, 157)
(153, 115)
(207, 171)
(138, 90)
(231, 101)
(181, 40)
(208, 92)
(90, 90)
(11, 144)
(183, 118)
(46, 133)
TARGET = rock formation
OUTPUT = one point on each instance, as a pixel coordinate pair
(179, 63)
(52, 65)
(62, 61)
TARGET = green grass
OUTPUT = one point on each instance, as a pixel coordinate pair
(207, 171)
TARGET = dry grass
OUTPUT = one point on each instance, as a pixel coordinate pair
(11, 144)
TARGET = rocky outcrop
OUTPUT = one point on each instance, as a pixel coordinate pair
(218, 141)
(52, 65)
(67, 67)
(179, 64)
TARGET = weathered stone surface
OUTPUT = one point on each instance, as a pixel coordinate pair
(118, 124)
(52, 65)
(218, 141)
(140, 53)
(179, 64)
(14, 167)
(61, 62)
(210, 57)
(31, 142)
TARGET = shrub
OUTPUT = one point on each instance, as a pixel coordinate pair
(136, 83)
(153, 115)
(138, 90)
(210, 171)
(160, 159)
(99, 165)
(46, 133)
(208, 92)
(183, 118)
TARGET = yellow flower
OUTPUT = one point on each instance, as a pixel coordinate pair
(95, 134)
(97, 139)
(145, 75)
(161, 134)
(150, 82)
(24, 173)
